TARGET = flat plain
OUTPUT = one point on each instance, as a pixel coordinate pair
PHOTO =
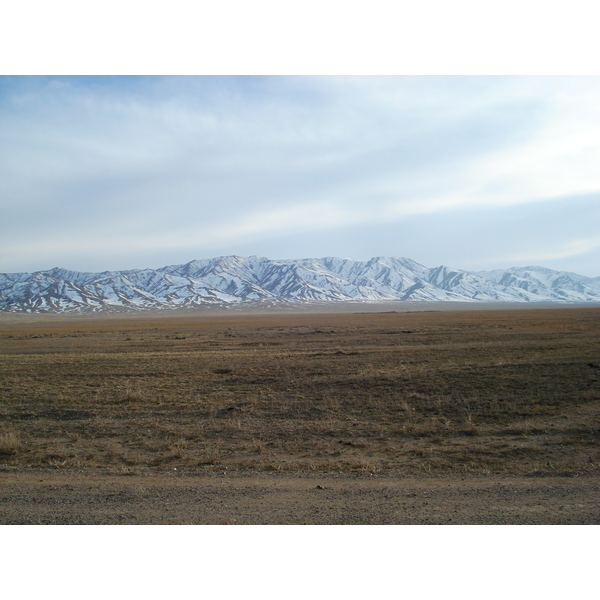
(424, 416)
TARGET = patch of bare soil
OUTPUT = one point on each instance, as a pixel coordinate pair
(301, 418)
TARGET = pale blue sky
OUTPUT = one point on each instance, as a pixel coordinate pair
(477, 172)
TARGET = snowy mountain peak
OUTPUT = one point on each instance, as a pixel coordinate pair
(234, 279)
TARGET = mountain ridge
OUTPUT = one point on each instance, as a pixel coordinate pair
(234, 279)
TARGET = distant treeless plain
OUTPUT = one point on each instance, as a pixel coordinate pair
(385, 396)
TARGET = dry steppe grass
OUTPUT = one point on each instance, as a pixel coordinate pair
(397, 392)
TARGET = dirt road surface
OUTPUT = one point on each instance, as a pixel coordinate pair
(230, 499)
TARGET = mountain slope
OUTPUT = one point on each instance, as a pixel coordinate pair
(230, 279)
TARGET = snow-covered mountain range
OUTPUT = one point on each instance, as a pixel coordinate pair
(233, 279)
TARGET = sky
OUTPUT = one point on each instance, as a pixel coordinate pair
(475, 172)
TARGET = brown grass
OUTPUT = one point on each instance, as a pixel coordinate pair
(484, 391)
(10, 444)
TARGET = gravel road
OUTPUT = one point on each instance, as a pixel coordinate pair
(186, 499)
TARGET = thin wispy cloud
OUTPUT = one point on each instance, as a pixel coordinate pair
(476, 172)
